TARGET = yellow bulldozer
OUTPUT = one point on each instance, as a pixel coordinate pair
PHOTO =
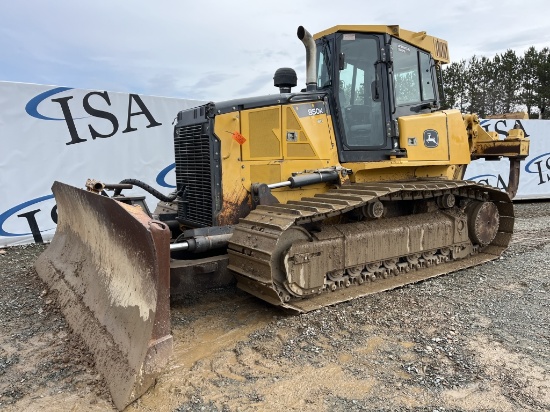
(349, 187)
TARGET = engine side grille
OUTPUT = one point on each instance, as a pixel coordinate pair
(194, 173)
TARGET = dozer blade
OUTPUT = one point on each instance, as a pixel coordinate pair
(109, 266)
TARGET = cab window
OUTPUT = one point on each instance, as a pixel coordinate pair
(426, 76)
(405, 73)
(412, 74)
(358, 92)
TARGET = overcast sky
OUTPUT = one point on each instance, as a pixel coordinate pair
(216, 50)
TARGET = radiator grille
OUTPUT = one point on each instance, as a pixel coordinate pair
(194, 172)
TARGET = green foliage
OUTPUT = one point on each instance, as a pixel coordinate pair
(504, 84)
(407, 87)
(543, 89)
(454, 81)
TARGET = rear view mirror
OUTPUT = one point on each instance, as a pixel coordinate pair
(341, 61)
(375, 92)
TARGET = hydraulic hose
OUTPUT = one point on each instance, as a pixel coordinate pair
(148, 189)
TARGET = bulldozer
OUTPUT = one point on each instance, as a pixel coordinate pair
(351, 186)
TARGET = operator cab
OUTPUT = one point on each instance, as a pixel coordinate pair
(374, 78)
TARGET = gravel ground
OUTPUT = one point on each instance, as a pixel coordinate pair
(476, 340)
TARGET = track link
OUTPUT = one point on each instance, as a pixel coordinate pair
(332, 247)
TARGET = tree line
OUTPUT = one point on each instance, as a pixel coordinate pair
(505, 84)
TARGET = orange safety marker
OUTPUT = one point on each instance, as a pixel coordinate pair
(239, 138)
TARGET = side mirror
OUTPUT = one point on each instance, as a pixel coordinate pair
(375, 92)
(341, 61)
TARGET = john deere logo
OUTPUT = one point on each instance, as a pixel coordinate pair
(431, 138)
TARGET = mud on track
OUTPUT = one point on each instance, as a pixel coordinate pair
(474, 340)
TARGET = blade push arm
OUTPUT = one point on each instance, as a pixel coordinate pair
(487, 145)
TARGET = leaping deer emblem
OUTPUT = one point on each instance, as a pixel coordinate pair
(431, 139)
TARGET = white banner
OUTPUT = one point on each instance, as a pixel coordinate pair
(535, 170)
(52, 133)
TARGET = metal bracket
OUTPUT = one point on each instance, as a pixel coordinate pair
(261, 195)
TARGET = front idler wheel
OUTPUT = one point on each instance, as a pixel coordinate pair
(483, 222)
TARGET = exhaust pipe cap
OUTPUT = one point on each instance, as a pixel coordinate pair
(301, 32)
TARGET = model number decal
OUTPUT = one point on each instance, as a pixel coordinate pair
(316, 111)
(310, 109)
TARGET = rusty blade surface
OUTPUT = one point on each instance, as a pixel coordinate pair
(109, 264)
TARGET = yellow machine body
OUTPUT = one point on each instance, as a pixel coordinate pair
(268, 156)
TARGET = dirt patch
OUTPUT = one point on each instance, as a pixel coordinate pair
(474, 340)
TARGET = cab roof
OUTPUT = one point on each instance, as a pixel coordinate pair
(437, 47)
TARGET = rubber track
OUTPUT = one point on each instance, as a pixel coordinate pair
(255, 238)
